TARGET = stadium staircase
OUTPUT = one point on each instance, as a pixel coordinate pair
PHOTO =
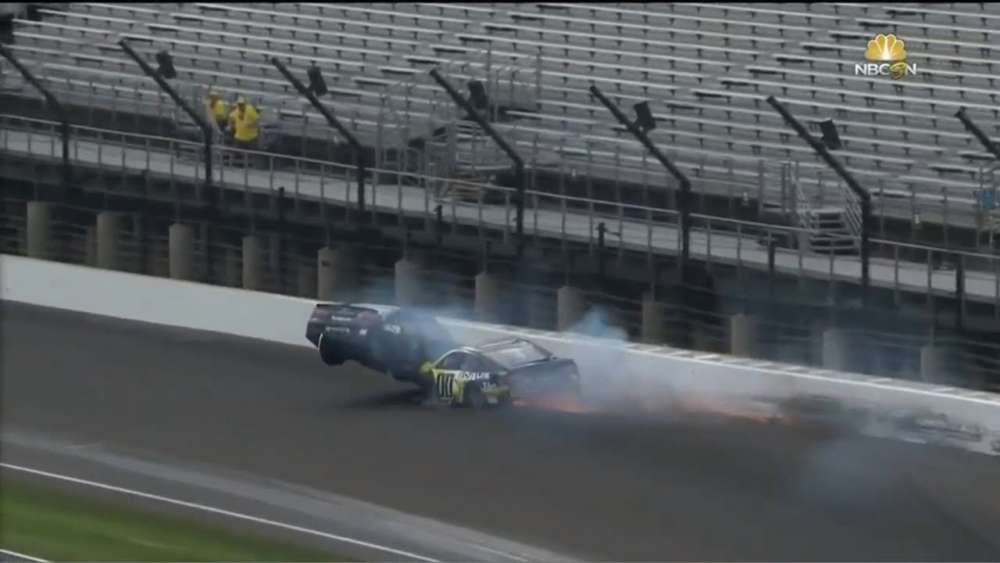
(462, 157)
(830, 231)
(830, 222)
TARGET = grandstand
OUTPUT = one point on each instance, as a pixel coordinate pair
(705, 69)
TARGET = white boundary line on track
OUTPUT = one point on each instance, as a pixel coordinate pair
(214, 510)
(23, 556)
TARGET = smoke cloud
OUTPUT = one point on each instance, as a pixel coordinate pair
(618, 382)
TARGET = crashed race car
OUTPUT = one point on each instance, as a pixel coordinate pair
(499, 372)
(394, 341)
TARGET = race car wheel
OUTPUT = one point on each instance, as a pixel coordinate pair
(474, 397)
(327, 354)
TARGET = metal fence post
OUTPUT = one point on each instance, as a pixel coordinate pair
(199, 119)
(684, 195)
(61, 115)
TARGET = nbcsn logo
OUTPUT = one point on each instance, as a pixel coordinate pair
(886, 55)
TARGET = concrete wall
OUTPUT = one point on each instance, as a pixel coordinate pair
(282, 319)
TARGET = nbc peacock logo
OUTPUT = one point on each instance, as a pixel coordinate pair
(886, 56)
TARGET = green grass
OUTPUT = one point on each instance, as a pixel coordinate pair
(49, 524)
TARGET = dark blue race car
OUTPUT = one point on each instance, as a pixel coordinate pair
(389, 339)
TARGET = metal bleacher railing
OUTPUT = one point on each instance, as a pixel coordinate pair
(898, 266)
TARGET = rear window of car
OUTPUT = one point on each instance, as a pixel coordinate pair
(340, 314)
(517, 354)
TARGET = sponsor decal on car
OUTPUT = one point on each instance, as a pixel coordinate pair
(473, 376)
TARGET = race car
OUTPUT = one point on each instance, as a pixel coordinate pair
(395, 341)
(499, 372)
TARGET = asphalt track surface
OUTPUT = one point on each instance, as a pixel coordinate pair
(606, 486)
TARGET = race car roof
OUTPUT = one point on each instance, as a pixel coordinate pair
(513, 352)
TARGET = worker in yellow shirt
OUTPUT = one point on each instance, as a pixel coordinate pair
(244, 122)
(217, 110)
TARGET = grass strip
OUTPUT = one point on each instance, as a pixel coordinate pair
(50, 524)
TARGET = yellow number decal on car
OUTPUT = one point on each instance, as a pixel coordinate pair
(444, 384)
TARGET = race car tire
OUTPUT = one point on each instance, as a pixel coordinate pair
(473, 397)
(327, 354)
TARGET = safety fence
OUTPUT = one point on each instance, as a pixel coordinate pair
(324, 191)
(959, 417)
(786, 330)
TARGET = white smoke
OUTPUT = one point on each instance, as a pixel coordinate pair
(617, 380)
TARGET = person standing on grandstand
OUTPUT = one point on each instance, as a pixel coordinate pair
(217, 110)
(244, 122)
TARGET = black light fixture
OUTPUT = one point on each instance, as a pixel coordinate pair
(830, 137)
(643, 117)
(316, 83)
(477, 94)
(166, 65)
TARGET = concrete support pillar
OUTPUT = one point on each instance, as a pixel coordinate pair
(487, 296)
(307, 278)
(741, 335)
(107, 240)
(933, 363)
(337, 273)
(39, 219)
(181, 252)
(407, 282)
(251, 263)
(653, 321)
(836, 349)
(569, 307)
